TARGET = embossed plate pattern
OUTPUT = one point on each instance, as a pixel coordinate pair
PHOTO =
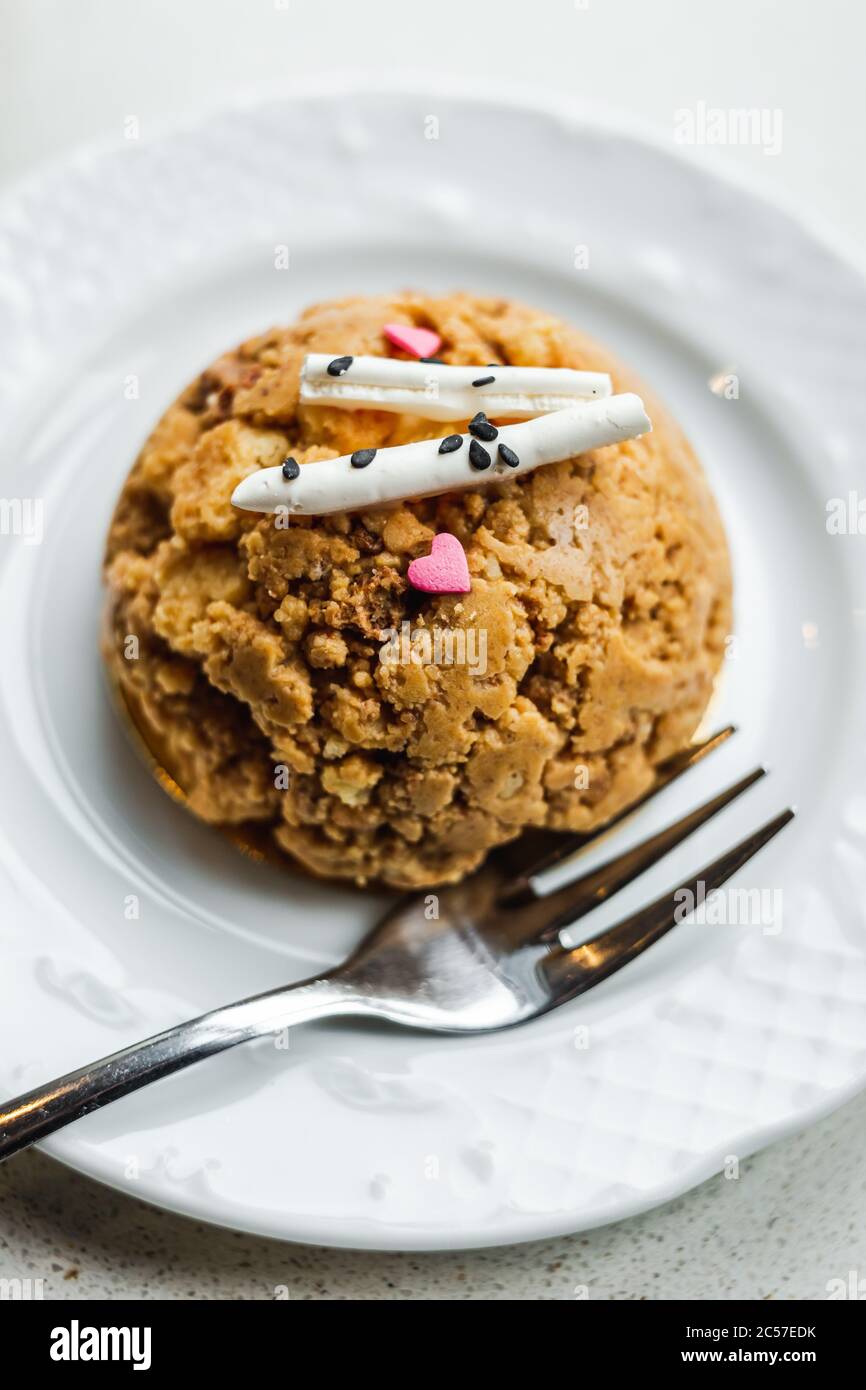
(122, 272)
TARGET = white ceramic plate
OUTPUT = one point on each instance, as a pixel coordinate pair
(121, 274)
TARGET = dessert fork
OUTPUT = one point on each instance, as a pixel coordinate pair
(477, 956)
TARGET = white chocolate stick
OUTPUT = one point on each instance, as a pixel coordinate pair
(438, 392)
(422, 470)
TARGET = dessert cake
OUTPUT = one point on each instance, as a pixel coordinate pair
(419, 627)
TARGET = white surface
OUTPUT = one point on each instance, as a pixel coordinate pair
(787, 1227)
(75, 70)
(711, 1045)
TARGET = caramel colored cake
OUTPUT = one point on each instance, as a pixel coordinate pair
(600, 586)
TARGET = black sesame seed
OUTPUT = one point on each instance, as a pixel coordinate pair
(437, 360)
(484, 381)
(291, 468)
(478, 457)
(362, 457)
(450, 443)
(481, 427)
(339, 365)
(508, 456)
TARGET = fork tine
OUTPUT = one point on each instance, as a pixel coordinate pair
(538, 850)
(574, 900)
(571, 971)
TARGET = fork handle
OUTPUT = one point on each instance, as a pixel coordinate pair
(33, 1116)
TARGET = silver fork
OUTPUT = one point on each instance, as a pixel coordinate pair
(492, 958)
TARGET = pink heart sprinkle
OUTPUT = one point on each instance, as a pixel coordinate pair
(422, 342)
(444, 570)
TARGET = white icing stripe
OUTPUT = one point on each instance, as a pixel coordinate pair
(419, 470)
(438, 392)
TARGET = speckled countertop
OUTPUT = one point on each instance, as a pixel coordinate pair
(790, 1223)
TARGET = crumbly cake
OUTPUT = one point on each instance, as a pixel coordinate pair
(601, 587)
